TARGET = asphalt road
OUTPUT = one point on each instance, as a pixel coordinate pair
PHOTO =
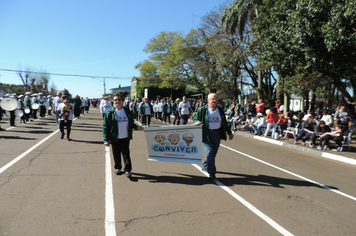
(50, 186)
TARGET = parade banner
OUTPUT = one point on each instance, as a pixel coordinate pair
(181, 143)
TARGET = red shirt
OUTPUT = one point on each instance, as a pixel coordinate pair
(278, 105)
(272, 117)
(260, 107)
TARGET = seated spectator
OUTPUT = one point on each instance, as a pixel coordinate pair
(249, 122)
(282, 124)
(272, 119)
(333, 135)
(319, 129)
(341, 114)
(327, 118)
(230, 111)
(240, 120)
(259, 124)
(307, 130)
(306, 116)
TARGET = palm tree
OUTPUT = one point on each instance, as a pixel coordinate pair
(236, 16)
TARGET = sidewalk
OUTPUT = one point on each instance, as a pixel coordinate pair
(344, 156)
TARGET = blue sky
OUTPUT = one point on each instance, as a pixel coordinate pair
(96, 38)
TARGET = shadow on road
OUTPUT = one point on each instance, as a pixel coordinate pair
(264, 180)
(16, 137)
(239, 179)
(89, 142)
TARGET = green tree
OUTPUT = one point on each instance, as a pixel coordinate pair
(309, 43)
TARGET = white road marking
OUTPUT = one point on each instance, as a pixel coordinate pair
(260, 214)
(11, 163)
(109, 197)
(8, 165)
(291, 173)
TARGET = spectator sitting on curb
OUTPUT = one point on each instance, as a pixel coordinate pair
(333, 135)
(249, 122)
(259, 124)
(327, 118)
(307, 130)
(239, 121)
(306, 116)
(282, 124)
(320, 129)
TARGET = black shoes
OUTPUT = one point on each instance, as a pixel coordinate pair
(128, 174)
(118, 172)
(69, 139)
(62, 136)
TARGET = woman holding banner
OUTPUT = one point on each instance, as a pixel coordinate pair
(214, 129)
(117, 131)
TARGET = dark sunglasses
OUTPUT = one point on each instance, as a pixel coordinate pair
(119, 100)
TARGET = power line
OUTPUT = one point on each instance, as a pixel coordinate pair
(58, 74)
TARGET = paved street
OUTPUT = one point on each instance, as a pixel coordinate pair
(50, 186)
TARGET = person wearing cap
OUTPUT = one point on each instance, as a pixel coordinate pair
(42, 107)
(21, 106)
(56, 102)
(175, 112)
(50, 102)
(117, 131)
(259, 124)
(12, 113)
(34, 100)
(28, 101)
(214, 129)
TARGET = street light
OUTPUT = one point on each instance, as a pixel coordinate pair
(103, 83)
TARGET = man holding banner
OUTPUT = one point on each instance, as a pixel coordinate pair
(214, 129)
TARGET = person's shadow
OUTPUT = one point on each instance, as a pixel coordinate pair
(235, 179)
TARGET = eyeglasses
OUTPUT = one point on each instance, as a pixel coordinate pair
(118, 100)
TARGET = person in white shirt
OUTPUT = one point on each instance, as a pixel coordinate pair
(146, 111)
(57, 100)
(327, 118)
(105, 105)
(306, 116)
(184, 110)
(155, 110)
(82, 109)
(259, 124)
(160, 110)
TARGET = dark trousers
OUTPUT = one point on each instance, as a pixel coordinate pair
(68, 124)
(327, 138)
(42, 111)
(160, 116)
(185, 119)
(122, 147)
(34, 114)
(146, 119)
(167, 115)
(12, 118)
(77, 112)
(176, 118)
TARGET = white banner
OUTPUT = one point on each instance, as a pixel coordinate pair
(181, 143)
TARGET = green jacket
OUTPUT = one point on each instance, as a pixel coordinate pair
(77, 103)
(165, 108)
(110, 128)
(174, 108)
(143, 109)
(202, 116)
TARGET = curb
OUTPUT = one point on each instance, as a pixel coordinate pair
(303, 149)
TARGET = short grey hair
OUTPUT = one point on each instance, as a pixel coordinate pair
(212, 94)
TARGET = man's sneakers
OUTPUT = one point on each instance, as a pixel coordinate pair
(128, 174)
(118, 172)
